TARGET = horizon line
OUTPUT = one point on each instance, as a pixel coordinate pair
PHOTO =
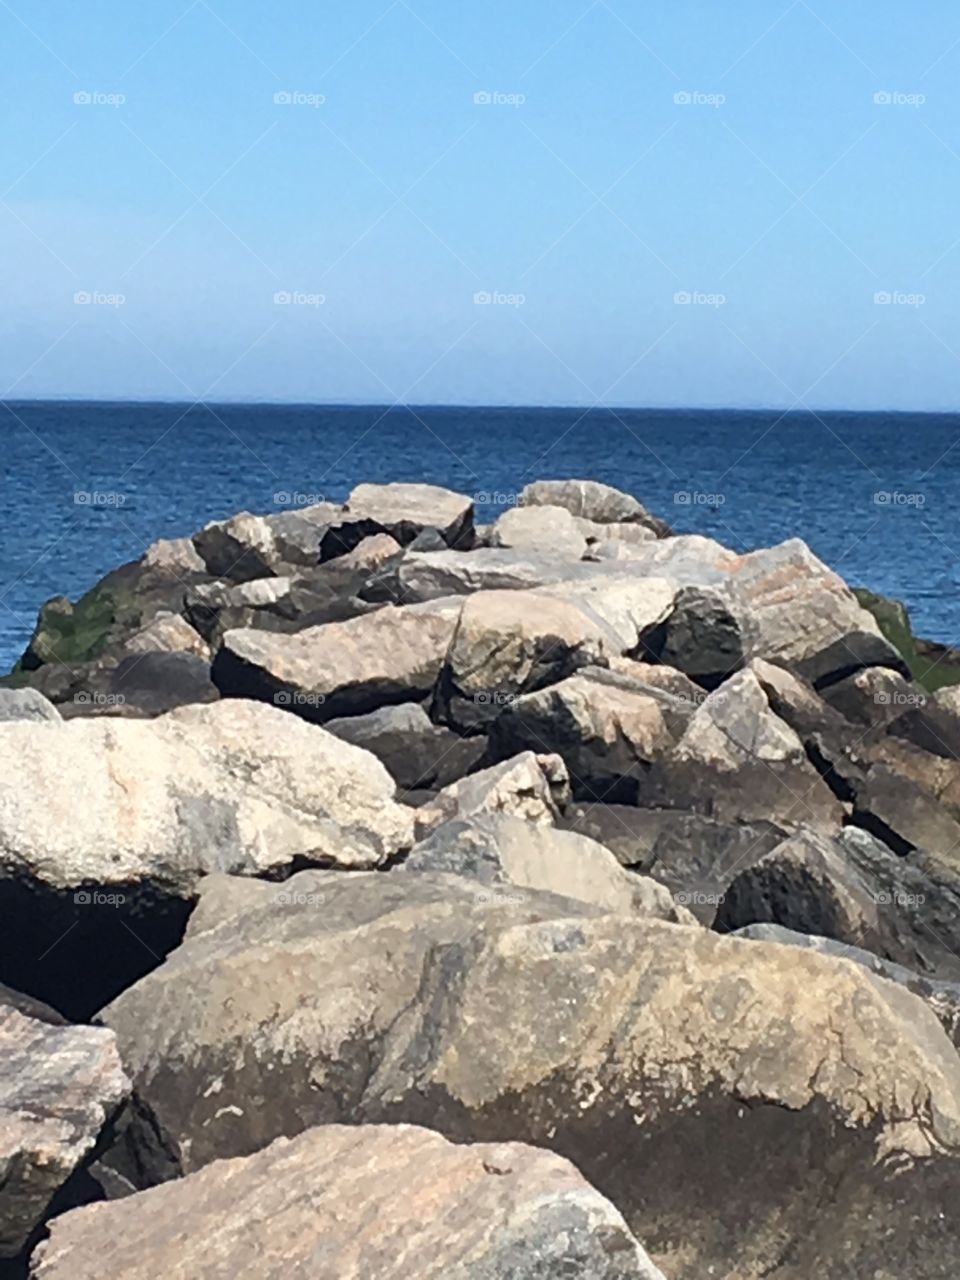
(231, 402)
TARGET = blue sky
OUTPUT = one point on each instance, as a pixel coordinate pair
(777, 195)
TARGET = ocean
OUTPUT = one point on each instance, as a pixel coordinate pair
(88, 486)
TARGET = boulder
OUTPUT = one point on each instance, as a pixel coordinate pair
(432, 575)
(737, 761)
(403, 511)
(531, 786)
(297, 534)
(372, 552)
(499, 850)
(854, 891)
(805, 617)
(711, 1092)
(693, 857)
(172, 558)
(547, 530)
(59, 1085)
(607, 728)
(26, 704)
(629, 607)
(342, 668)
(243, 1035)
(415, 752)
(707, 636)
(343, 1202)
(591, 500)
(144, 685)
(107, 826)
(239, 549)
(512, 642)
(168, 633)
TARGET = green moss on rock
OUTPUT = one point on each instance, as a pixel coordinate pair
(932, 665)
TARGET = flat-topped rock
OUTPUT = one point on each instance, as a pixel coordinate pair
(342, 668)
(548, 530)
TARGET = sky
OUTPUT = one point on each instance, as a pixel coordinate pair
(547, 202)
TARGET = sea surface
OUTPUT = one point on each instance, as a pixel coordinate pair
(88, 486)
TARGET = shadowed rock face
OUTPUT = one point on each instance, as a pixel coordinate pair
(440, 1211)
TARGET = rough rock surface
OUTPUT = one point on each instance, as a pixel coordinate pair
(713, 1095)
(693, 857)
(58, 1087)
(591, 500)
(26, 704)
(943, 998)
(548, 530)
(343, 668)
(512, 642)
(496, 850)
(531, 786)
(738, 761)
(607, 728)
(235, 787)
(242, 1035)
(344, 1202)
(239, 549)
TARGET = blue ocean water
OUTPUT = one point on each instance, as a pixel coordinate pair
(88, 486)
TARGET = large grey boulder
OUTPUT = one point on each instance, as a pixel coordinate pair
(694, 857)
(710, 1087)
(403, 511)
(107, 826)
(235, 787)
(350, 1203)
(499, 850)
(737, 761)
(239, 549)
(855, 890)
(271, 1015)
(342, 668)
(591, 500)
(544, 530)
(607, 727)
(511, 642)
(59, 1085)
